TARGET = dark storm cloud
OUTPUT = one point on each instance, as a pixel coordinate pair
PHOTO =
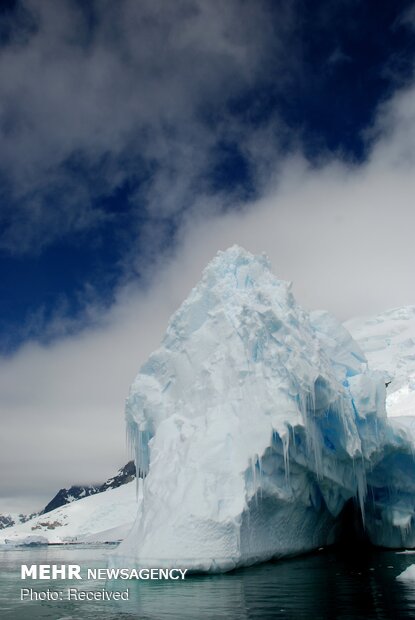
(117, 90)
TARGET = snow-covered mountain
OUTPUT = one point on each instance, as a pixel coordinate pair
(123, 476)
(102, 517)
(7, 520)
(264, 423)
(66, 496)
(51, 520)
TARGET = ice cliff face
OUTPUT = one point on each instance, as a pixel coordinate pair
(388, 340)
(253, 424)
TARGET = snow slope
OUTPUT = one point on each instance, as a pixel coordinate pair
(10, 519)
(256, 423)
(66, 496)
(104, 517)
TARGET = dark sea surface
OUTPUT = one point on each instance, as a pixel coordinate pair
(328, 584)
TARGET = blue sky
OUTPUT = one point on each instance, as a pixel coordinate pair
(117, 118)
(137, 139)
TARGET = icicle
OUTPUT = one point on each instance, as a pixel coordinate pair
(286, 447)
(254, 481)
(259, 461)
(137, 444)
(360, 477)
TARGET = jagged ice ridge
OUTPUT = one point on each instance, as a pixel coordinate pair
(254, 424)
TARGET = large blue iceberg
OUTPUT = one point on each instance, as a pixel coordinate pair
(254, 425)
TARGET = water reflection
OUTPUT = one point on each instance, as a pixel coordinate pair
(331, 584)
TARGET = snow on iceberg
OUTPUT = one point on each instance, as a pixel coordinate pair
(253, 425)
(388, 340)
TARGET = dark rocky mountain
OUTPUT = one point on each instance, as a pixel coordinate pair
(124, 475)
(66, 496)
(6, 521)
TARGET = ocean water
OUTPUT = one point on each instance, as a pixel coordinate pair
(328, 584)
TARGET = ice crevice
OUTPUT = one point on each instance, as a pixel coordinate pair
(254, 425)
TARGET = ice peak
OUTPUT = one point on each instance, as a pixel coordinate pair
(235, 285)
(230, 261)
(236, 254)
(250, 416)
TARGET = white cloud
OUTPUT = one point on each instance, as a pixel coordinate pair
(124, 98)
(343, 234)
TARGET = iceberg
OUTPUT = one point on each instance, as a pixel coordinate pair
(388, 340)
(254, 426)
(408, 574)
